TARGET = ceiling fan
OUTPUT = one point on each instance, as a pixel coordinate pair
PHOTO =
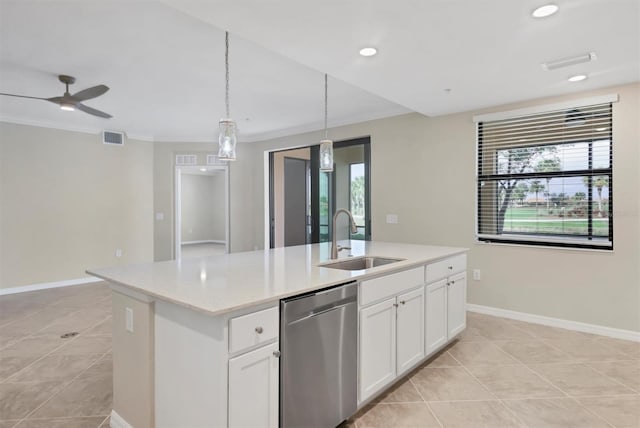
(71, 102)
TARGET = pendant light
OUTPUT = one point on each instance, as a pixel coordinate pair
(227, 139)
(326, 145)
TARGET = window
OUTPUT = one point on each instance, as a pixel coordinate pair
(545, 178)
(356, 198)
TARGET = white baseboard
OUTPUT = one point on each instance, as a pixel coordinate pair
(46, 285)
(557, 322)
(117, 421)
(209, 241)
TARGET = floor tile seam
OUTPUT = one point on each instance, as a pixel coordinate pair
(75, 311)
(63, 388)
(592, 412)
(474, 377)
(621, 354)
(425, 401)
(637, 391)
(8, 380)
(541, 377)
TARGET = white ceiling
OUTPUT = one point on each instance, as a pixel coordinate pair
(164, 60)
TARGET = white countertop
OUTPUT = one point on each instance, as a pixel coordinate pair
(224, 283)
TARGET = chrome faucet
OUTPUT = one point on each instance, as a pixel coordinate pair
(354, 229)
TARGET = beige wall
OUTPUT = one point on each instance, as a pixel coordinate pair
(68, 202)
(203, 210)
(423, 169)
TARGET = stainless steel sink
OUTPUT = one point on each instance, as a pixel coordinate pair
(360, 263)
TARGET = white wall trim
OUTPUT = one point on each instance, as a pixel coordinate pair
(583, 102)
(557, 322)
(117, 421)
(47, 285)
(206, 241)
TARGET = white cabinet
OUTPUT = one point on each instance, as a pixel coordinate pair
(253, 388)
(446, 300)
(391, 340)
(436, 315)
(456, 304)
(377, 347)
(409, 329)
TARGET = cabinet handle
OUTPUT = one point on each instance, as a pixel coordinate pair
(402, 302)
(395, 304)
(276, 354)
(450, 267)
(448, 284)
(259, 330)
(453, 282)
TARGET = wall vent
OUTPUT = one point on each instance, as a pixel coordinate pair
(186, 160)
(214, 160)
(112, 137)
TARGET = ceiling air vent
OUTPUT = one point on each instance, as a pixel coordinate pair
(214, 160)
(111, 137)
(186, 160)
(566, 62)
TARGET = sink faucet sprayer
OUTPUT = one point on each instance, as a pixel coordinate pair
(354, 229)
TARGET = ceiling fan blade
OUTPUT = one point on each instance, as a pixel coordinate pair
(92, 111)
(89, 93)
(55, 100)
(22, 96)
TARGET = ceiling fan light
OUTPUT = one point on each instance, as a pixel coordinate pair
(227, 140)
(67, 107)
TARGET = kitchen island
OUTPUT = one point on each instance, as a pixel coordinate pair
(195, 341)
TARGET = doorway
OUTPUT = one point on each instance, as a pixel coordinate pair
(315, 196)
(201, 211)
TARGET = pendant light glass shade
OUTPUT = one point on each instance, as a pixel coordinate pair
(326, 145)
(227, 140)
(228, 129)
(326, 155)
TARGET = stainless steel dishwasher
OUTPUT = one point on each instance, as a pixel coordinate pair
(318, 363)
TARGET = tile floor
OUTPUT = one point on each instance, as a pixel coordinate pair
(501, 373)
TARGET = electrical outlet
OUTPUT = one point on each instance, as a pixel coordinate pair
(118, 252)
(159, 216)
(392, 218)
(476, 274)
(128, 315)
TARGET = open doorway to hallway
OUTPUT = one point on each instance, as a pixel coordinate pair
(202, 219)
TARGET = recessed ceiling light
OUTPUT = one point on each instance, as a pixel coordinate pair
(543, 11)
(203, 169)
(577, 78)
(368, 51)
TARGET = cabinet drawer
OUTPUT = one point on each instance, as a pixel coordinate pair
(444, 268)
(372, 290)
(253, 329)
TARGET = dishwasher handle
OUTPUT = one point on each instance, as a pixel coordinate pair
(324, 310)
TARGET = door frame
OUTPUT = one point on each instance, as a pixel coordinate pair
(177, 223)
(268, 185)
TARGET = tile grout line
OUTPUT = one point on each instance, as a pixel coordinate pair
(64, 387)
(425, 401)
(577, 401)
(8, 379)
(490, 392)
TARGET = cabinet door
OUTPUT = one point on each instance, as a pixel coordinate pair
(253, 388)
(457, 304)
(436, 315)
(377, 347)
(410, 329)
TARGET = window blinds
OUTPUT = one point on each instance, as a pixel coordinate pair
(546, 178)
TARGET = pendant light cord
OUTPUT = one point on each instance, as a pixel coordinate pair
(325, 107)
(226, 65)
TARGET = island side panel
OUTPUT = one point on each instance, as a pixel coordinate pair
(191, 368)
(133, 360)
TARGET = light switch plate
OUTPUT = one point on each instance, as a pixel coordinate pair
(476, 274)
(128, 312)
(159, 216)
(392, 218)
